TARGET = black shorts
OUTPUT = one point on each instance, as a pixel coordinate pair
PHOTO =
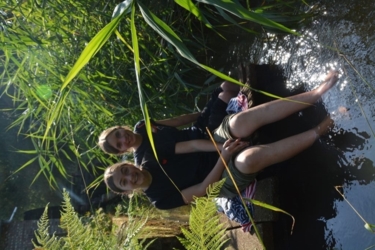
(213, 113)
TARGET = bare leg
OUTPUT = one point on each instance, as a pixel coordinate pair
(245, 123)
(256, 158)
(230, 90)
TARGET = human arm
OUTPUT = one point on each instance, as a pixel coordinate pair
(229, 148)
(180, 120)
(196, 146)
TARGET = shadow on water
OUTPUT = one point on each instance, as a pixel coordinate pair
(307, 181)
(345, 157)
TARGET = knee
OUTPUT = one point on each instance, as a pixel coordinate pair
(225, 96)
(247, 163)
(237, 128)
(228, 86)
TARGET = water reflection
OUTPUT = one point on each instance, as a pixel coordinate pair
(346, 158)
(345, 234)
(343, 38)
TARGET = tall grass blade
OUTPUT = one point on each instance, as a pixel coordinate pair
(190, 6)
(137, 74)
(241, 12)
(273, 208)
(91, 49)
(231, 20)
(167, 33)
(370, 247)
(29, 162)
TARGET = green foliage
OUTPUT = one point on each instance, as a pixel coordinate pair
(89, 232)
(205, 230)
(273, 208)
(101, 95)
(69, 77)
(42, 234)
(80, 234)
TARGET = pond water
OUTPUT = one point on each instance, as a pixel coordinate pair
(342, 38)
(16, 189)
(324, 220)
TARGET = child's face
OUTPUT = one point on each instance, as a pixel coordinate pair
(121, 139)
(128, 178)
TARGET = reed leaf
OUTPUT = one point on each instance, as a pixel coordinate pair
(91, 49)
(231, 20)
(167, 33)
(273, 208)
(368, 226)
(241, 12)
(140, 91)
(29, 162)
(189, 5)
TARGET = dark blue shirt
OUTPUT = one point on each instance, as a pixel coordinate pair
(163, 136)
(185, 170)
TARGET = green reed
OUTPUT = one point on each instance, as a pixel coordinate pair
(69, 78)
(74, 68)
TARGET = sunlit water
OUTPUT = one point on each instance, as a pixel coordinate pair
(323, 219)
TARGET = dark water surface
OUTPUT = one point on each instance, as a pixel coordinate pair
(22, 190)
(16, 189)
(345, 157)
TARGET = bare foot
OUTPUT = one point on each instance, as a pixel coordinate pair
(331, 78)
(324, 126)
(329, 81)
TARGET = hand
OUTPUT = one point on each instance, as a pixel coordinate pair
(231, 147)
(219, 146)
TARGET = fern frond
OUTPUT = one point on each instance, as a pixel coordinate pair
(88, 232)
(80, 234)
(43, 238)
(205, 230)
(129, 233)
